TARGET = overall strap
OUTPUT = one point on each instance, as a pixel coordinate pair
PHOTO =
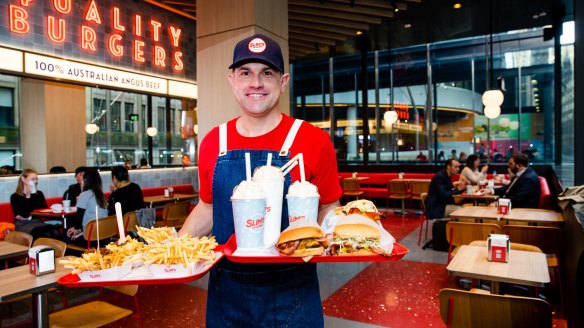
(222, 139)
(290, 137)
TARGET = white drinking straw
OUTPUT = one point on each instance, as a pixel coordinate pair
(119, 217)
(290, 168)
(247, 167)
(301, 161)
(269, 159)
(290, 162)
(97, 224)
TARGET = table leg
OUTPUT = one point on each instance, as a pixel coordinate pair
(495, 287)
(403, 207)
(40, 315)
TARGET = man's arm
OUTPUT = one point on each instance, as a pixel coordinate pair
(200, 220)
(324, 209)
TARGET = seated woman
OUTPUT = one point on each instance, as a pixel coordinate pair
(471, 174)
(26, 199)
(124, 191)
(90, 199)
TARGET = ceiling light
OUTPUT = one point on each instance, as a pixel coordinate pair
(359, 32)
(533, 81)
(390, 117)
(408, 25)
(457, 5)
(91, 128)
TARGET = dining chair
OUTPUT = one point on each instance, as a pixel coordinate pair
(20, 238)
(58, 245)
(547, 239)
(417, 188)
(460, 308)
(130, 222)
(351, 188)
(398, 190)
(108, 228)
(174, 214)
(97, 313)
(423, 197)
(463, 233)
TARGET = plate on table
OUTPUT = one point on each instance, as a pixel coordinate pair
(397, 253)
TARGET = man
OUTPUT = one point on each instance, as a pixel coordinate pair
(260, 295)
(524, 189)
(75, 189)
(441, 190)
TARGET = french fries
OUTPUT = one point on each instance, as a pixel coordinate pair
(105, 258)
(165, 247)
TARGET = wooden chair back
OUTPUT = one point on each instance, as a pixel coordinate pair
(351, 187)
(417, 188)
(175, 214)
(108, 227)
(546, 238)
(130, 221)
(397, 188)
(463, 233)
(515, 246)
(20, 238)
(59, 246)
(459, 308)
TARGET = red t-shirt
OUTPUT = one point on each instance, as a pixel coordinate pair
(320, 162)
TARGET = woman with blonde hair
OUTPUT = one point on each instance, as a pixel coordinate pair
(26, 199)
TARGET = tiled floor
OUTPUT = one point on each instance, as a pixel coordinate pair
(382, 294)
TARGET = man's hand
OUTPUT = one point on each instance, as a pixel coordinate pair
(200, 220)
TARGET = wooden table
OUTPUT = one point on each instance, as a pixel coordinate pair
(18, 281)
(161, 200)
(475, 198)
(8, 250)
(523, 268)
(526, 215)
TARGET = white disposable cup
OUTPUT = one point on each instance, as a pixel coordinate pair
(401, 175)
(302, 209)
(274, 192)
(354, 175)
(67, 205)
(491, 183)
(469, 189)
(248, 221)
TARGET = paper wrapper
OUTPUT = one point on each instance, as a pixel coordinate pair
(176, 270)
(331, 220)
(115, 273)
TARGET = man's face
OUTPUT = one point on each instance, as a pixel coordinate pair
(257, 88)
(79, 177)
(512, 166)
(454, 168)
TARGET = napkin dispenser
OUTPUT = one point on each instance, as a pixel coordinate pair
(41, 260)
(504, 205)
(498, 248)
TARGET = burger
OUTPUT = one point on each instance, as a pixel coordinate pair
(301, 242)
(362, 207)
(355, 239)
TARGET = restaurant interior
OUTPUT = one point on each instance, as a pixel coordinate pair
(400, 86)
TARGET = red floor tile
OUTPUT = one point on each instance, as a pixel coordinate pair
(399, 226)
(395, 294)
(165, 306)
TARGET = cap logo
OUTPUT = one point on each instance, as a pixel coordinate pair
(257, 45)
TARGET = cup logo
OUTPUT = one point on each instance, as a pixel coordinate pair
(95, 276)
(255, 224)
(294, 218)
(257, 45)
(169, 269)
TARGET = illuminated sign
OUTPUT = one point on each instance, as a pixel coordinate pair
(129, 35)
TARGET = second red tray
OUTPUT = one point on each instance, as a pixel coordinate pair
(397, 253)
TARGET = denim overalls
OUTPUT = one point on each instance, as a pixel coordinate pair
(256, 295)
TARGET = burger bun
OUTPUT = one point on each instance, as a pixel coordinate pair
(300, 233)
(355, 230)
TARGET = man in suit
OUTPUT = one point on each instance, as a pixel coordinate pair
(75, 189)
(441, 190)
(524, 189)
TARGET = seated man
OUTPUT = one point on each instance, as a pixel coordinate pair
(441, 190)
(524, 189)
(75, 189)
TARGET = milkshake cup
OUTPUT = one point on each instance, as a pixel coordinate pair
(271, 180)
(249, 205)
(302, 200)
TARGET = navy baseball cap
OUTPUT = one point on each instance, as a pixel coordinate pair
(258, 48)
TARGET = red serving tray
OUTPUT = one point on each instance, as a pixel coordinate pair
(72, 280)
(397, 253)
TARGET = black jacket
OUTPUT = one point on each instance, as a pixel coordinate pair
(525, 192)
(439, 195)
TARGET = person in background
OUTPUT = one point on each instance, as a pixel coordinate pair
(524, 189)
(26, 199)
(439, 202)
(91, 198)
(144, 164)
(75, 189)
(260, 295)
(453, 154)
(128, 164)
(463, 157)
(421, 157)
(124, 191)
(441, 155)
(470, 173)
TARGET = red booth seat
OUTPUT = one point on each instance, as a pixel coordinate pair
(376, 184)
